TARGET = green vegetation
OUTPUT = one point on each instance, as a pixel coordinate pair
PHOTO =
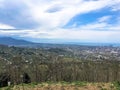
(117, 85)
(74, 66)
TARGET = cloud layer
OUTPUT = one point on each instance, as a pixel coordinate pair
(79, 20)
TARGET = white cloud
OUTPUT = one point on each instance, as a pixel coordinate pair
(52, 15)
(104, 18)
(94, 26)
(65, 10)
(70, 35)
(69, 8)
(102, 24)
(116, 7)
(4, 26)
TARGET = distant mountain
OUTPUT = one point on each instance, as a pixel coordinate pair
(23, 43)
(14, 42)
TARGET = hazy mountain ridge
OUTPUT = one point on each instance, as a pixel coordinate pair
(14, 42)
(20, 42)
(24, 43)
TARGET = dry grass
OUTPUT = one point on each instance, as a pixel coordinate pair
(61, 86)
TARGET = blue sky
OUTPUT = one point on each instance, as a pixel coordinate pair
(61, 20)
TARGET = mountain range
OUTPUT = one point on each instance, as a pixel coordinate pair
(9, 41)
(14, 42)
(23, 43)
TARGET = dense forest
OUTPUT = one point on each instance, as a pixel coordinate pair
(66, 63)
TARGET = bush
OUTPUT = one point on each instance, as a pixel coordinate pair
(78, 83)
(117, 85)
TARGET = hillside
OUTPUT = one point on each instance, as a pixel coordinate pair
(14, 42)
(23, 43)
(69, 63)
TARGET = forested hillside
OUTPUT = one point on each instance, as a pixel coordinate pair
(68, 63)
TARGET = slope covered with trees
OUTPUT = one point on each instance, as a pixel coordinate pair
(68, 63)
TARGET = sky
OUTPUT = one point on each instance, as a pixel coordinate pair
(61, 20)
